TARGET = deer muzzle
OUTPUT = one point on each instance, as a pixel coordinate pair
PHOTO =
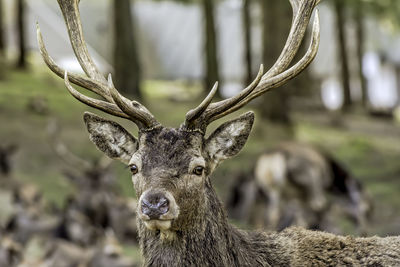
(157, 209)
(154, 205)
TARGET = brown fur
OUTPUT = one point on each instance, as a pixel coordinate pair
(197, 232)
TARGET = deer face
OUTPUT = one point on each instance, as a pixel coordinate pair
(170, 167)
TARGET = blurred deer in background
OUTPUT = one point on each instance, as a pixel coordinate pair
(97, 190)
(297, 184)
(10, 251)
(180, 218)
(70, 236)
(29, 216)
(23, 209)
(106, 253)
(84, 174)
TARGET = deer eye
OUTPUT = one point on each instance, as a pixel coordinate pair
(198, 170)
(134, 169)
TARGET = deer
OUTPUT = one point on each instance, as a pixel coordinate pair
(10, 251)
(97, 195)
(85, 174)
(106, 253)
(181, 221)
(299, 184)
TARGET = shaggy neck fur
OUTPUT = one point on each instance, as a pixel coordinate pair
(212, 241)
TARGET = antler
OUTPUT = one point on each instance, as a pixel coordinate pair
(200, 117)
(114, 104)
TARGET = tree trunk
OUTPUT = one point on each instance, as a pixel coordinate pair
(211, 64)
(126, 61)
(2, 30)
(2, 43)
(21, 34)
(277, 15)
(397, 68)
(358, 19)
(341, 39)
(247, 40)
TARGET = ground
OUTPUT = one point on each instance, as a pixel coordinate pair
(370, 148)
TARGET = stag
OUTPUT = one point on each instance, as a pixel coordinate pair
(181, 221)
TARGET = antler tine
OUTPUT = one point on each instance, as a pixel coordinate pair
(278, 74)
(195, 113)
(278, 80)
(115, 103)
(275, 81)
(295, 7)
(302, 11)
(136, 111)
(70, 11)
(94, 103)
(223, 105)
(85, 82)
(201, 111)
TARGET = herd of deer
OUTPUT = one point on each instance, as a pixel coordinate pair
(85, 232)
(180, 219)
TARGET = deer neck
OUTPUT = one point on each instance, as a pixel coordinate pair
(206, 243)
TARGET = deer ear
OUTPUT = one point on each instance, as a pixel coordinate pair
(110, 137)
(229, 138)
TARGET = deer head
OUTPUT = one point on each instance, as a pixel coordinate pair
(171, 167)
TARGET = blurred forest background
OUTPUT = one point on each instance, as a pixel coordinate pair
(332, 133)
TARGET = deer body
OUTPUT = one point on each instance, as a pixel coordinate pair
(298, 184)
(214, 242)
(181, 221)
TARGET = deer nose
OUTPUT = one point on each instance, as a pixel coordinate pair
(154, 205)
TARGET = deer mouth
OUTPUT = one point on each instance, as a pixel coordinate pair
(157, 210)
(162, 225)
